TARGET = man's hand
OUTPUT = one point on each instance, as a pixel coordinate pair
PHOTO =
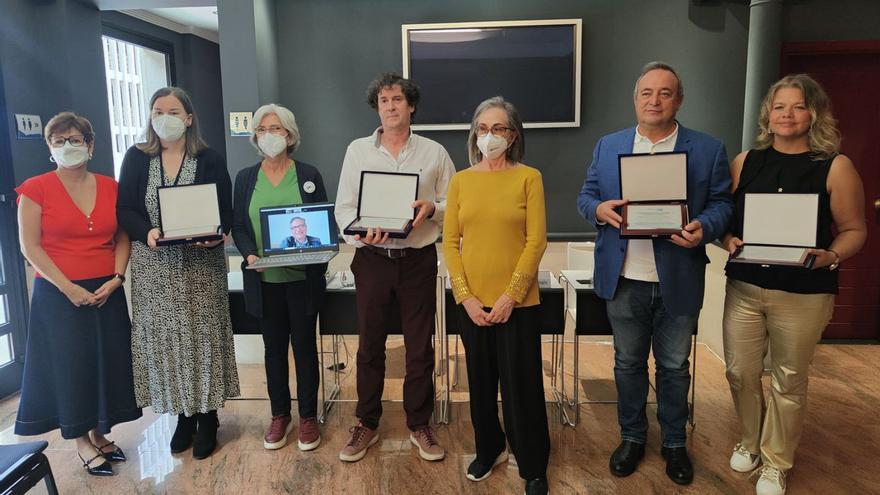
(690, 236)
(251, 259)
(426, 209)
(372, 237)
(605, 212)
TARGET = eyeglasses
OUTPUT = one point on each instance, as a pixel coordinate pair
(274, 129)
(59, 141)
(497, 130)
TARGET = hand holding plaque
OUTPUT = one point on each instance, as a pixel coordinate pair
(385, 204)
(655, 189)
(778, 229)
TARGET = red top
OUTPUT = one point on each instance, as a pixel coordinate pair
(80, 245)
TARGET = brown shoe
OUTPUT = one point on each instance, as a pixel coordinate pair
(429, 449)
(309, 436)
(362, 438)
(276, 434)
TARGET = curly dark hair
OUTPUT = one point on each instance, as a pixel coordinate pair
(387, 80)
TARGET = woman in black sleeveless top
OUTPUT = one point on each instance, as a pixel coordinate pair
(778, 308)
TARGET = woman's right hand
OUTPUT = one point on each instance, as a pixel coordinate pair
(152, 236)
(78, 296)
(475, 311)
(732, 243)
(251, 259)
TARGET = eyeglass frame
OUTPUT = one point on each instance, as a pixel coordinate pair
(275, 129)
(496, 130)
(65, 140)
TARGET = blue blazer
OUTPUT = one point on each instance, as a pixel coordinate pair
(681, 270)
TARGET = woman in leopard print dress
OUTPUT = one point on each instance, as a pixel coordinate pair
(182, 347)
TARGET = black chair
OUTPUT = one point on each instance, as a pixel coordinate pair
(23, 465)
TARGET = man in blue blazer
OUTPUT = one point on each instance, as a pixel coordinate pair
(654, 288)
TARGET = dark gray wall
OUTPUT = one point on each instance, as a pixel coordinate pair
(329, 50)
(52, 61)
(824, 20)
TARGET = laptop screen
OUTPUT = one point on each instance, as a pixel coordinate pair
(298, 228)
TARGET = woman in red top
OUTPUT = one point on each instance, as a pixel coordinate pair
(77, 374)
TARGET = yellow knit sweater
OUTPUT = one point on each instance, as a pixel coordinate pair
(495, 233)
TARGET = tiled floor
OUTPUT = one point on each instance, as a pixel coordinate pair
(838, 453)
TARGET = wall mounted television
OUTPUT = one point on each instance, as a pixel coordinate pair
(536, 65)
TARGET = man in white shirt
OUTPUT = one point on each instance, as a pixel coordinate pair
(395, 271)
(654, 287)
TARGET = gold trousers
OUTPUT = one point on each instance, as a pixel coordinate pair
(789, 326)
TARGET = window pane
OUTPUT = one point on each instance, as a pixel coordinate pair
(4, 309)
(141, 71)
(5, 350)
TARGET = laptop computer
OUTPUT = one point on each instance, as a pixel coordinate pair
(297, 235)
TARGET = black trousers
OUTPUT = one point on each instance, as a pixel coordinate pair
(510, 353)
(285, 319)
(410, 282)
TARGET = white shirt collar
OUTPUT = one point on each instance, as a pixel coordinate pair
(639, 138)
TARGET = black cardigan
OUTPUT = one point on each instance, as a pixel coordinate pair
(245, 238)
(131, 208)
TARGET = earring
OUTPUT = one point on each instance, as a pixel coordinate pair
(51, 158)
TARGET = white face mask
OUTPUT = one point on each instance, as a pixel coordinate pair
(168, 127)
(70, 156)
(272, 144)
(492, 146)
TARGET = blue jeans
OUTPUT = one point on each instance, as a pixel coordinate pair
(639, 320)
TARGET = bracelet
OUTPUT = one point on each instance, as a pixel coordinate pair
(119, 276)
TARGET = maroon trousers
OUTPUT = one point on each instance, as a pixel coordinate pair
(408, 281)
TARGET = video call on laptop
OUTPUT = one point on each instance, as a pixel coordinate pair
(297, 235)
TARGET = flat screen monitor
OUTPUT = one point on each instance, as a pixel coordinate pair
(536, 65)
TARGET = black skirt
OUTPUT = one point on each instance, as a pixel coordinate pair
(77, 369)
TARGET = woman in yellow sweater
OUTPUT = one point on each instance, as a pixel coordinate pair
(493, 238)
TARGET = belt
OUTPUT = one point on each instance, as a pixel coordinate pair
(393, 253)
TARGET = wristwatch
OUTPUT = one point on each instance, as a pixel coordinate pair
(833, 266)
(120, 276)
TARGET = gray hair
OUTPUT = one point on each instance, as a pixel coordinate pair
(655, 65)
(515, 152)
(288, 121)
(295, 219)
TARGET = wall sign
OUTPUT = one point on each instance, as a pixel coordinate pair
(241, 123)
(28, 126)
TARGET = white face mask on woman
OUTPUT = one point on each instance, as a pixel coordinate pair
(272, 144)
(492, 146)
(70, 156)
(168, 127)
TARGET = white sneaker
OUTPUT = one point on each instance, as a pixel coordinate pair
(771, 482)
(742, 460)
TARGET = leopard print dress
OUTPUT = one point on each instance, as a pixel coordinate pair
(182, 348)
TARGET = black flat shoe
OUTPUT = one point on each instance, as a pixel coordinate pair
(183, 434)
(115, 455)
(537, 486)
(104, 469)
(206, 435)
(678, 465)
(626, 458)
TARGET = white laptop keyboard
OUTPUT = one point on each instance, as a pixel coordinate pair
(293, 259)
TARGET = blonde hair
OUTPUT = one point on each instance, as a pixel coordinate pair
(823, 134)
(194, 142)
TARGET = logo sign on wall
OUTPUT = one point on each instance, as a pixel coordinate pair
(28, 126)
(240, 123)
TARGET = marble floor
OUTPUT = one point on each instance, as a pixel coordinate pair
(838, 453)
